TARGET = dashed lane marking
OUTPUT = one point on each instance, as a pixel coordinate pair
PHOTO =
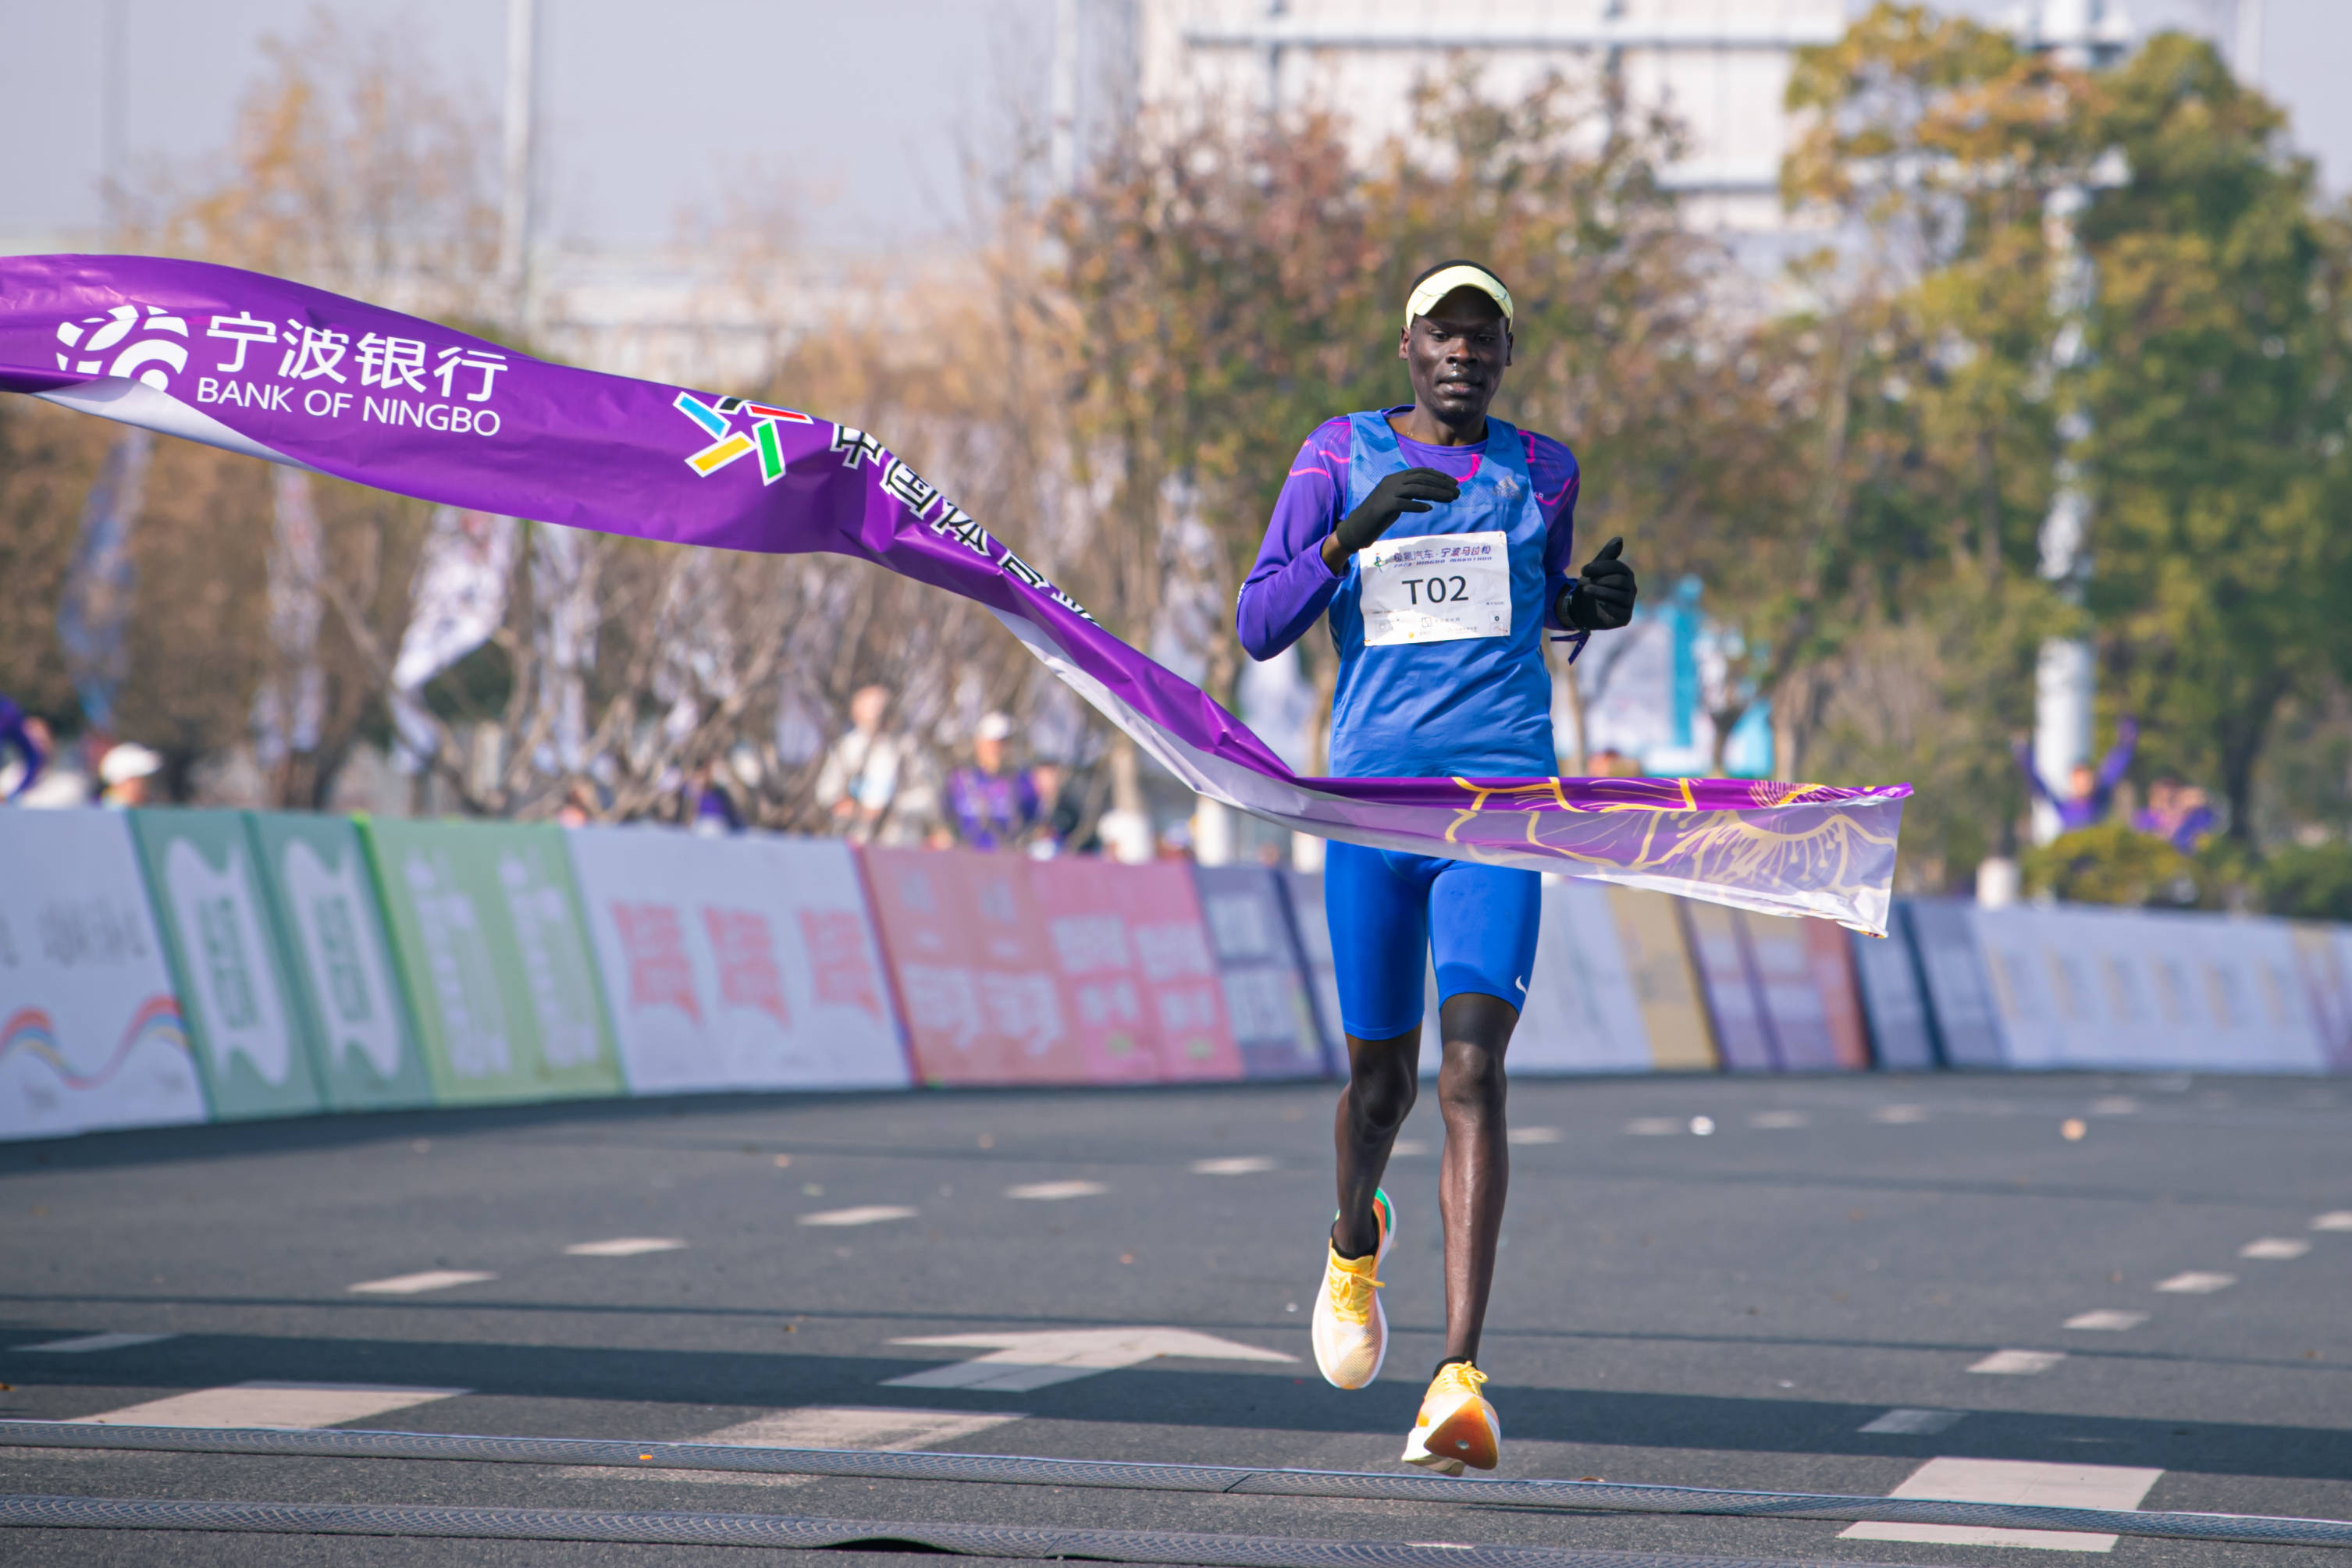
(1654, 1126)
(2337, 1219)
(2197, 1284)
(1021, 1362)
(868, 1214)
(1905, 1422)
(288, 1407)
(2115, 1105)
(2276, 1247)
(1408, 1149)
(1533, 1135)
(88, 1343)
(2106, 1320)
(1057, 1191)
(1899, 1115)
(1779, 1119)
(623, 1247)
(2019, 1363)
(416, 1284)
(820, 1427)
(2012, 1480)
(1239, 1165)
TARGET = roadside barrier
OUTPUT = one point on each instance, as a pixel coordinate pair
(169, 966)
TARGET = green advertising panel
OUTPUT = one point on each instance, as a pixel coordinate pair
(338, 964)
(495, 959)
(239, 1011)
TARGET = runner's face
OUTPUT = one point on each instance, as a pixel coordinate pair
(1455, 355)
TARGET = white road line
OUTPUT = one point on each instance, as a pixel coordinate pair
(1654, 1126)
(1781, 1119)
(1909, 1422)
(2197, 1284)
(1021, 1362)
(623, 1247)
(869, 1213)
(819, 1427)
(2115, 1105)
(1239, 1165)
(1899, 1115)
(2278, 1248)
(415, 1284)
(2108, 1320)
(2335, 1220)
(2019, 1363)
(292, 1406)
(1055, 1191)
(86, 1344)
(1533, 1135)
(1406, 1148)
(2013, 1480)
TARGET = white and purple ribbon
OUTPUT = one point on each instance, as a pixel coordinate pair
(297, 375)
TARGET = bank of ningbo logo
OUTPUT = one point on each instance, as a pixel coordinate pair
(94, 337)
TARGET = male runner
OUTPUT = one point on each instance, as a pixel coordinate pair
(1438, 540)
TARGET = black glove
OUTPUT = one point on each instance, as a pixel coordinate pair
(1413, 490)
(1602, 600)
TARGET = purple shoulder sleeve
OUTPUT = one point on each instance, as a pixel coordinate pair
(1289, 586)
(1553, 468)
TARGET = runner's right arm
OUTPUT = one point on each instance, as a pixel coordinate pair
(1291, 584)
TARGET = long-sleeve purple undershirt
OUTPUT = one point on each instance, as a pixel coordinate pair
(1290, 587)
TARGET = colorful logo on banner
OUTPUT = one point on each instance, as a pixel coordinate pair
(728, 443)
(96, 336)
(31, 1030)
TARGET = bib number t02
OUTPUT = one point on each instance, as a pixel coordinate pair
(1438, 588)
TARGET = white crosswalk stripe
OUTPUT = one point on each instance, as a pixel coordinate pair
(416, 1284)
(288, 1407)
(2012, 1480)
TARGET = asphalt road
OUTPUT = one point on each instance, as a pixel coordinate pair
(1724, 1309)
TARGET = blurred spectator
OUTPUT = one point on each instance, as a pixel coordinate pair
(18, 772)
(579, 807)
(2088, 795)
(125, 771)
(872, 782)
(709, 807)
(2177, 814)
(61, 783)
(992, 809)
(1607, 764)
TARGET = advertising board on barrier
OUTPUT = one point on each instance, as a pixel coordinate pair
(89, 1027)
(1302, 893)
(1581, 1012)
(1265, 975)
(1959, 997)
(967, 950)
(1902, 1034)
(498, 969)
(2080, 987)
(339, 963)
(235, 1002)
(2322, 955)
(1780, 993)
(746, 962)
(1650, 934)
(1135, 968)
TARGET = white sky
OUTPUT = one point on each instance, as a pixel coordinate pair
(646, 108)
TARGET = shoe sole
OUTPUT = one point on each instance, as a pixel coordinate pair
(1462, 1439)
(1383, 1203)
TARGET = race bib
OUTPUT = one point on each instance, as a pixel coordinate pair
(1440, 588)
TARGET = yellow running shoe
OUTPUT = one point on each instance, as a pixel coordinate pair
(1350, 1331)
(1456, 1425)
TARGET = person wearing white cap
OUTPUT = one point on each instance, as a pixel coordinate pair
(992, 809)
(1437, 540)
(125, 771)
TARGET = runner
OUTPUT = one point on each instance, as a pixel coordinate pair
(1438, 539)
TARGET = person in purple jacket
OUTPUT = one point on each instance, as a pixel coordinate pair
(2089, 795)
(1437, 542)
(16, 735)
